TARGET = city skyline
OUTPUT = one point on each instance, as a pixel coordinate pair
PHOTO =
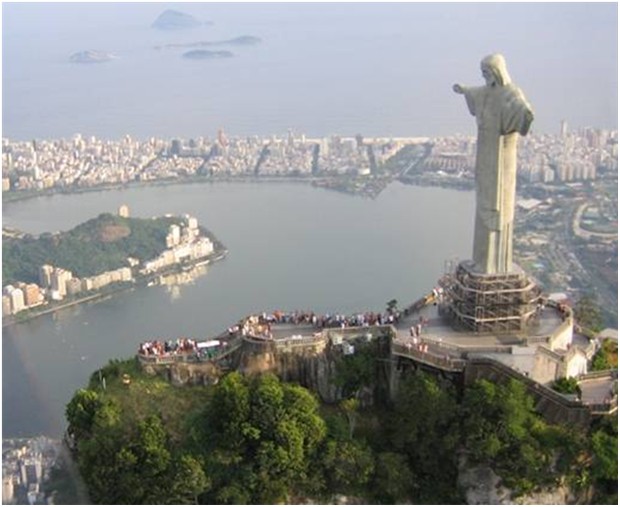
(320, 69)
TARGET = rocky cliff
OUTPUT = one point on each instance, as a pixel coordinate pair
(482, 486)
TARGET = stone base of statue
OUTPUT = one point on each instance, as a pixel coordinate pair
(490, 303)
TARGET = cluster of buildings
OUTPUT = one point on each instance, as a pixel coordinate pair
(451, 156)
(79, 162)
(170, 168)
(20, 296)
(86, 162)
(568, 157)
(26, 464)
(184, 243)
(55, 284)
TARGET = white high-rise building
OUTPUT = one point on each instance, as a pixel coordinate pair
(548, 175)
(45, 275)
(174, 236)
(17, 300)
(60, 277)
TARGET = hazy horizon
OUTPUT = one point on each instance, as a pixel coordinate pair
(322, 68)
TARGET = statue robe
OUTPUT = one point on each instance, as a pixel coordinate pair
(501, 114)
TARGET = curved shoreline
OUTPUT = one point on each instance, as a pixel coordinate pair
(104, 294)
(325, 182)
(10, 197)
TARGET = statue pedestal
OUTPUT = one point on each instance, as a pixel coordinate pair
(490, 303)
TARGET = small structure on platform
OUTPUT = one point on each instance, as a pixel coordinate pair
(491, 303)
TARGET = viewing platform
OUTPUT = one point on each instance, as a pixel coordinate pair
(420, 333)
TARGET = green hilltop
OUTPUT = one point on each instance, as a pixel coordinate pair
(101, 244)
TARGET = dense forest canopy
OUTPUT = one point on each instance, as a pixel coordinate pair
(260, 440)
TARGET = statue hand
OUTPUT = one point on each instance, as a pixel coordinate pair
(458, 89)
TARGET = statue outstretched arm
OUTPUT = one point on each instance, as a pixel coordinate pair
(470, 92)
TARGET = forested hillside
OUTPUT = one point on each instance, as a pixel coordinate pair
(259, 440)
(100, 244)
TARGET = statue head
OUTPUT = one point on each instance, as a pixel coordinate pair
(494, 70)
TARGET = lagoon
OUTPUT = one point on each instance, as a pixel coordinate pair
(290, 246)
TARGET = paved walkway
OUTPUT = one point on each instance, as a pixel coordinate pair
(439, 331)
(597, 390)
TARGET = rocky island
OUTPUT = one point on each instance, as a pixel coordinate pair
(91, 56)
(203, 54)
(175, 20)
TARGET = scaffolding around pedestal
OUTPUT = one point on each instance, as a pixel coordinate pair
(490, 303)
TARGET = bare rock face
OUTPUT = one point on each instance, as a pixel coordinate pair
(110, 233)
(482, 486)
(312, 365)
(182, 374)
(313, 368)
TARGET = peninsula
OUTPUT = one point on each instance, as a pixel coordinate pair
(101, 256)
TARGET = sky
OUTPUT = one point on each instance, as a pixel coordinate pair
(323, 67)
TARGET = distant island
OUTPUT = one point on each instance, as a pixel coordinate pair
(242, 40)
(203, 54)
(91, 56)
(175, 20)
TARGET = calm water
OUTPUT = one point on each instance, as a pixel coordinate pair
(323, 68)
(290, 247)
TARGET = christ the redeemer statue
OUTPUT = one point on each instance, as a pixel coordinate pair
(501, 112)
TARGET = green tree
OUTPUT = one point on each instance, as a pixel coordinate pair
(81, 412)
(567, 386)
(260, 435)
(392, 306)
(350, 407)
(606, 358)
(494, 417)
(356, 370)
(424, 427)
(605, 449)
(501, 428)
(190, 481)
(393, 478)
(348, 466)
(604, 469)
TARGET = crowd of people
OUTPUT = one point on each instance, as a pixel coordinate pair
(260, 326)
(180, 346)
